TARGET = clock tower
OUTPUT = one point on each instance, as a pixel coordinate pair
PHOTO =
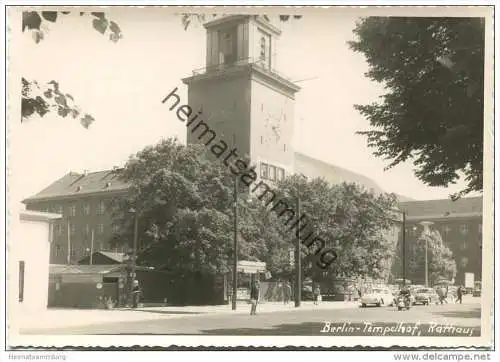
(242, 97)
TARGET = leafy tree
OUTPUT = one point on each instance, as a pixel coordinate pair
(353, 222)
(432, 113)
(185, 205)
(40, 98)
(440, 261)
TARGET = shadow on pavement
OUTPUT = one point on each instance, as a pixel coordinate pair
(469, 313)
(167, 312)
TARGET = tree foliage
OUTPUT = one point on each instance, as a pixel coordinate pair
(38, 98)
(441, 263)
(185, 204)
(357, 224)
(432, 113)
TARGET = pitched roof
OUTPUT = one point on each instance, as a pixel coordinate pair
(467, 206)
(313, 168)
(75, 184)
(82, 269)
(118, 257)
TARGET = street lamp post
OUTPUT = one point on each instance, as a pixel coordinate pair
(134, 251)
(403, 243)
(298, 292)
(403, 247)
(235, 245)
(426, 233)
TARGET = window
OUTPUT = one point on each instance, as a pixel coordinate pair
(463, 246)
(262, 55)
(101, 208)
(73, 229)
(59, 209)
(86, 209)
(58, 250)
(72, 210)
(100, 228)
(264, 171)
(480, 228)
(272, 173)
(284, 147)
(21, 281)
(280, 174)
(446, 229)
(116, 228)
(464, 229)
(227, 46)
(59, 229)
(87, 229)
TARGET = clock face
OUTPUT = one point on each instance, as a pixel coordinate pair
(273, 124)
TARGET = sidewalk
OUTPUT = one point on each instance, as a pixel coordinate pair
(61, 318)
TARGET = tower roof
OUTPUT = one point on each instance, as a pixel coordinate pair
(263, 21)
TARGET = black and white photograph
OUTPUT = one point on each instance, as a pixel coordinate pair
(250, 176)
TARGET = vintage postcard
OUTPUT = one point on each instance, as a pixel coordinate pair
(250, 176)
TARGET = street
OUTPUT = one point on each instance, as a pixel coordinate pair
(298, 322)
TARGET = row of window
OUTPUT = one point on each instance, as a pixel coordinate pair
(270, 172)
(72, 209)
(446, 229)
(87, 230)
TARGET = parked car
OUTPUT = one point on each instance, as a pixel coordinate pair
(307, 292)
(425, 296)
(378, 297)
(477, 289)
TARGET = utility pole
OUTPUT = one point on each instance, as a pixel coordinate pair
(426, 234)
(134, 248)
(134, 255)
(91, 246)
(403, 247)
(298, 288)
(426, 265)
(235, 245)
(69, 243)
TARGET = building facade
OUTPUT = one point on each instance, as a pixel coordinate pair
(83, 200)
(459, 223)
(28, 271)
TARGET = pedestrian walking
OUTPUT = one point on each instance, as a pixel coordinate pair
(136, 293)
(460, 293)
(317, 295)
(287, 292)
(254, 297)
(443, 294)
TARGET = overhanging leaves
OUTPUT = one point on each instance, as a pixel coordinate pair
(432, 113)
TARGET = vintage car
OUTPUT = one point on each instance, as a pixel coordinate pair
(378, 297)
(425, 296)
(477, 289)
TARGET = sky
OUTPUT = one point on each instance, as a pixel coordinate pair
(122, 84)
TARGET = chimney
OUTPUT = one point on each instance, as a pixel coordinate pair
(85, 172)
